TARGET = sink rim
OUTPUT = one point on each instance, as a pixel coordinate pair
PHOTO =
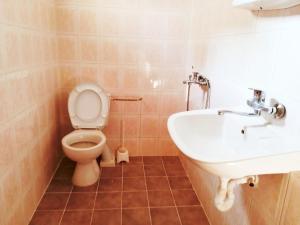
(194, 156)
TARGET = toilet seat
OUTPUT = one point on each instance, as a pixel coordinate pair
(84, 136)
(88, 107)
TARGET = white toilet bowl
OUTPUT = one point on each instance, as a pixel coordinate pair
(88, 107)
(84, 146)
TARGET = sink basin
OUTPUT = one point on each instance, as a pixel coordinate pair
(216, 143)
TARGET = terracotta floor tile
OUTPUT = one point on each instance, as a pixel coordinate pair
(138, 216)
(121, 164)
(185, 197)
(160, 172)
(134, 199)
(66, 162)
(107, 217)
(53, 201)
(108, 200)
(134, 184)
(133, 171)
(171, 160)
(164, 216)
(150, 160)
(91, 188)
(134, 160)
(110, 172)
(175, 170)
(60, 185)
(157, 183)
(81, 201)
(64, 172)
(110, 184)
(46, 218)
(77, 218)
(154, 170)
(160, 198)
(180, 182)
(193, 215)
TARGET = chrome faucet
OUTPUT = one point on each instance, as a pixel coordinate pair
(245, 128)
(197, 78)
(222, 112)
(204, 84)
(258, 104)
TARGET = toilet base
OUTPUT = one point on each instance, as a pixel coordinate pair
(86, 174)
(108, 157)
(110, 163)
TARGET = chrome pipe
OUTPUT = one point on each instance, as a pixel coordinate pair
(222, 112)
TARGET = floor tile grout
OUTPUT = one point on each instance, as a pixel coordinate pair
(105, 209)
(95, 199)
(163, 163)
(88, 192)
(122, 186)
(142, 176)
(63, 213)
(172, 196)
(147, 194)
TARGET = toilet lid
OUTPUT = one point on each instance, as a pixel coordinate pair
(88, 106)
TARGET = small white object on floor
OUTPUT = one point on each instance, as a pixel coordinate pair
(122, 155)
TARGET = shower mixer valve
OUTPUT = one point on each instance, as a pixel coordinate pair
(197, 78)
(204, 84)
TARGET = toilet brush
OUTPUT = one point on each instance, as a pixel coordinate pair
(122, 153)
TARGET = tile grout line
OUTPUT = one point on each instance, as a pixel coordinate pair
(172, 193)
(145, 175)
(107, 209)
(193, 188)
(164, 164)
(122, 187)
(95, 199)
(147, 193)
(45, 191)
(66, 206)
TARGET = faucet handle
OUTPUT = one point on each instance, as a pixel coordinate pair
(258, 94)
(195, 76)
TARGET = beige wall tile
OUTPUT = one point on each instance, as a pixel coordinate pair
(88, 49)
(149, 147)
(150, 126)
(28, 90)
(143, 48)
(88, 21)
(292, 205)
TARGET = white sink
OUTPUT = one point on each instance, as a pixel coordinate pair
(216, 144)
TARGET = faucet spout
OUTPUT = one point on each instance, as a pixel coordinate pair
(222, 112)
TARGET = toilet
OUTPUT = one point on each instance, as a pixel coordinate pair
(88, 107)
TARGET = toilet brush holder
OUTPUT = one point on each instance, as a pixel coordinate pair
(122, 155)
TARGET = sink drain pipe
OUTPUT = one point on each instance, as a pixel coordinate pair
(225, 197)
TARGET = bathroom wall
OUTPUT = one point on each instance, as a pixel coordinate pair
(238, 49)
(290, 215)
(28, 112)
(129, 48)
(144, 48)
